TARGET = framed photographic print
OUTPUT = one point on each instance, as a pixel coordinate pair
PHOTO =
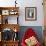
(30, 13)
(5, 12)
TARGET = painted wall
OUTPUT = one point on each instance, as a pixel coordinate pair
(26, 3)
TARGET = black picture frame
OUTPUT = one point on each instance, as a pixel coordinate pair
(30, 13)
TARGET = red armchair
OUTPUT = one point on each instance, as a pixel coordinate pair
(29, 36)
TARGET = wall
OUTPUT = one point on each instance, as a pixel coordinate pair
(32, 3)
(26, 3)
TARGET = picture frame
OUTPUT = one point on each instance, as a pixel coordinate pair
(5, 12)
(13, 12)
(30, 13)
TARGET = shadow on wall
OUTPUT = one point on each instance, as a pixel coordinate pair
(37, 29)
